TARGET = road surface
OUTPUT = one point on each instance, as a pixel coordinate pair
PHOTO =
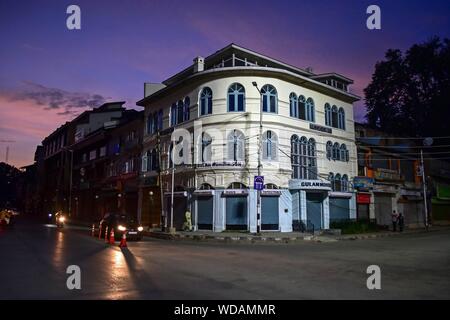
(34, 258)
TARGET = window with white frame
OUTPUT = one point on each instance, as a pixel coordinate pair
(236, 146)
(310, 116)
(206, 101)
(270, 145)
(236, 98)
(270, 98)
(327, 114)
(293, 105)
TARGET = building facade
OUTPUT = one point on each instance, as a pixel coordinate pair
(388, 178)
(207, 120)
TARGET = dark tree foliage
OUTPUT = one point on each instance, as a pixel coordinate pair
(410, 93)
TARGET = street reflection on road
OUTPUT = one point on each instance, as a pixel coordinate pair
(120, 279)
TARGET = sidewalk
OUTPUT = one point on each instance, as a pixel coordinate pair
(246, 237)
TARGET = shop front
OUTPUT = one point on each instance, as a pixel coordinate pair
(341, 206)
(312, 211)
(204, 209)
(236, 209)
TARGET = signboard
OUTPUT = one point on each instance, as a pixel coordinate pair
(271, 193)
(317, 127)
(309, 185)
(363, 198)
(258, 183)
(387, 175)
(235, 192)
(363, 183)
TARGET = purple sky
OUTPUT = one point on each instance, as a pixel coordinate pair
(48, 73)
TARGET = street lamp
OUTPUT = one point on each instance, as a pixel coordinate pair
(426, 142)
(258, 201)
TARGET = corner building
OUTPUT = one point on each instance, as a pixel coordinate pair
(308, 151)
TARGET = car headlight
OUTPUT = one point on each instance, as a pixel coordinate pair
(49, 215)
(140, 229)
(61, 219)
(121, 228)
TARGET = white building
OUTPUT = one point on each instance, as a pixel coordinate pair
(308, 143)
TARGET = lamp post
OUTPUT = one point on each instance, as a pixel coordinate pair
(426, 142)
(70, 182)
(258, 201)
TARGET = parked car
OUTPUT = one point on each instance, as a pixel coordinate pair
(121, 223)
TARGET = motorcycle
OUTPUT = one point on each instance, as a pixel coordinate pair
(60, 219)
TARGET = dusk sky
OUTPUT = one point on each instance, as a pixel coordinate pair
(49, 74)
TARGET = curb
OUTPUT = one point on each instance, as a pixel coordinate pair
(278, 239)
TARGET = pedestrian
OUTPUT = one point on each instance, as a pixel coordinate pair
(394, 220)
(401, 222)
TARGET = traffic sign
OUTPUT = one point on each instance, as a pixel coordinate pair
(258, 183)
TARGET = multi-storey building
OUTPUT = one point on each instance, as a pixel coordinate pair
(306, 146)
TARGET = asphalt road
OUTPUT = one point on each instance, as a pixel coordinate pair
(34, 259)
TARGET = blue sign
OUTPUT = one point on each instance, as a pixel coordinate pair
(258, 183)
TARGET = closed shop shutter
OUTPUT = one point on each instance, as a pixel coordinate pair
(363, 212)
(339, 209)
(205, 212)
(383, 209)
(236, 213)
(269, 213)
(314, 211)
(413, 212)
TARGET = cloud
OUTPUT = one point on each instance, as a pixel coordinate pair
(68, 103)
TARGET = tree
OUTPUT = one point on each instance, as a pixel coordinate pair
(410, 93)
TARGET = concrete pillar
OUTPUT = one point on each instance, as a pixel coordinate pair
(326, 212)
(352, 206)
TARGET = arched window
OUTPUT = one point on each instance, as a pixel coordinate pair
(206, 155)
(295, 157)
(331, 179)
(337, 182)
(341, 119)
(270, 102)
(312, 161)
(144, 162)
(154, 160)
(160, 120)
(301, 108)
(236, 98)
(173, 114)
(303, 158)
(343, 153)
(206, 186)
(155, 122)
(293, 103)
(180, 111)
(310, 110)
(336, 153)
(236, 146)
(271, 186)
(327, 114)
(237, 185)
(334, 117)
(329, 150)
(270, 145)
(187, 105)
(206, 101)
(344, 183)
(150, 124)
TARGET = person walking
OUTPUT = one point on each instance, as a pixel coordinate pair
(401, 222)
(394, 220)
